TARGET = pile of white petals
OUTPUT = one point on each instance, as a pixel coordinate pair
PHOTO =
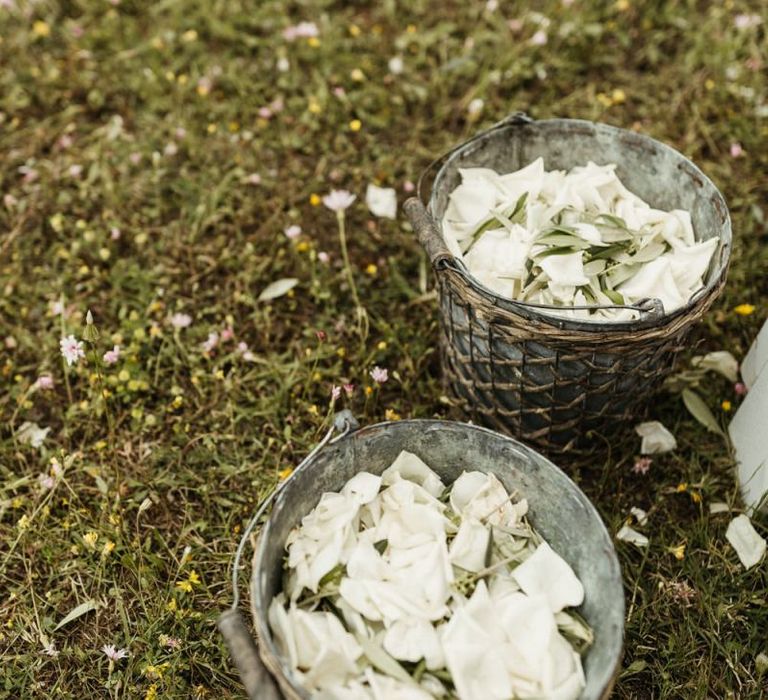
(399, 589)
(573, 238)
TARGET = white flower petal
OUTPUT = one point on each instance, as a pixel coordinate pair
(381, 201)
(546, 572)
(413, 639)
(654, 280)
(31, 434)
(656, 439)
(690, 263)
(409, 466)
(627, 534)
(720, 361)
(483, 497)
(749, 545)
(565, 270)
(640, 515)
(362, 487)
(469, 546)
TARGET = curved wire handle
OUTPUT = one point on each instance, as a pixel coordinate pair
(343, 424)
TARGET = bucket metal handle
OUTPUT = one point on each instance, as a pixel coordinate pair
(256, 678)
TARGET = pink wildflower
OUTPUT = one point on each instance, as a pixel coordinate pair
(44, 382)
(227, 334)
(642, 465)
(349, 389)
(338, 200)
(179, 320)
(736, 150)
(379, 374)
(335, 392)
(211, 342)
(72, 349)
(114, 654)
(293, 231)
(323, 257)
(112, 356)
(302, 30)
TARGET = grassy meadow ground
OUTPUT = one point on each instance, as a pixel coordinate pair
(142, 178)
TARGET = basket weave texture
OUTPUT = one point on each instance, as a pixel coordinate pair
(558, 384)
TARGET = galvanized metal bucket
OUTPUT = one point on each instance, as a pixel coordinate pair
(548, 380)
(558, 510)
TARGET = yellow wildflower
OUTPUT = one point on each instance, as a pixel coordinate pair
(314, 199)
(678, 552)
(313, 41)
(285, 473)
(40, 28)
(618, 96)
(371, 270)
(108, 548)
(355, 125)
(391, 414)
(682, 487)
(357, 75)
(622, 5)
(382, 345)
(726, 405)
(709, 84)
(354, 30)
(189, 35)
(184, 586)
(603, 99)
(302, 246)
(744, 309)
(368, 390)
(151, 693)
(89, 538)
(313, 409)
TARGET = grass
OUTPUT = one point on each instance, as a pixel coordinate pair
(143, 117)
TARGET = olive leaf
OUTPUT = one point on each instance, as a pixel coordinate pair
(700, 411)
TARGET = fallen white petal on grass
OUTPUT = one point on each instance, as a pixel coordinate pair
(381, 201)
(627, 534)
(747, 542)
(718, 507)
(656, 439)
(31, 434)
(720, 361)
(640, 515)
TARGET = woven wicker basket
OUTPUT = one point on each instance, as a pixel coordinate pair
(558, 383)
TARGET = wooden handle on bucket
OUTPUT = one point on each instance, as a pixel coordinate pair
(427, 232)
(258, 683)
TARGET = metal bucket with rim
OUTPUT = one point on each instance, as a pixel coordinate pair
(559, 511)
(545, 379)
